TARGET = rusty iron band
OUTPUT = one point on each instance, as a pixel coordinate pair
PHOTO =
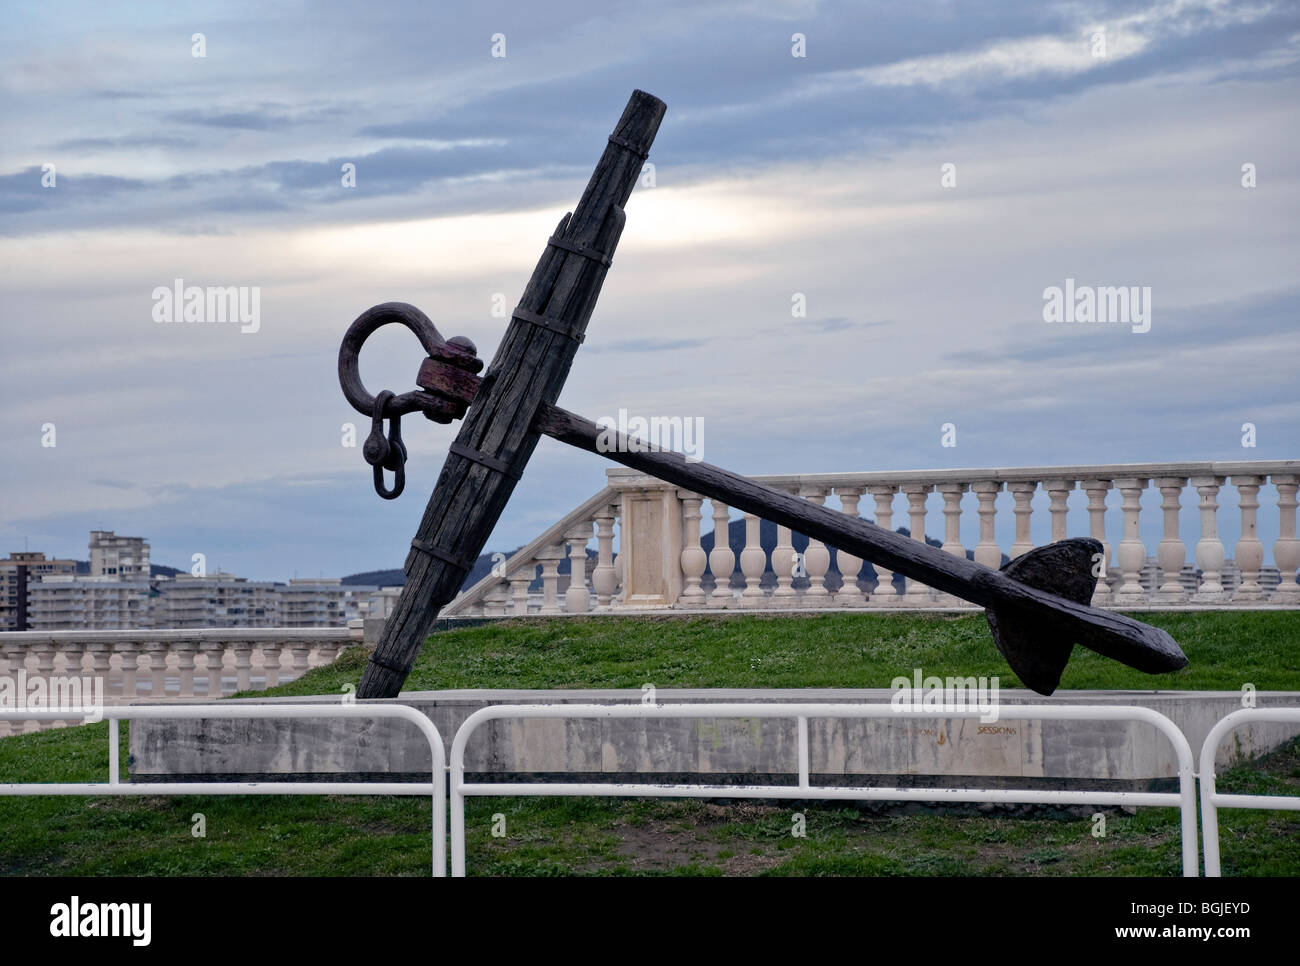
(598, 257)
(482, 459)
(427, 546)
(625, 143)
(570, 330)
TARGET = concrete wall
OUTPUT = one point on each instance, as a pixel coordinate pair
(1010, 747)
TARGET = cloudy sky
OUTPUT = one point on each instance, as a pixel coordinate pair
(774, 174)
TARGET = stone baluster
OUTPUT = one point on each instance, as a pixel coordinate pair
(1210, 553)
(215, 656)
(603, 579)
(1023, 494)
(1058, 493)
(577, 599)
(271, 651)
(987, 551)
(495, 599)
(753, 562)
(550, 558)
(519, 581)
(916, 593)
(301, 652)
(952, 494)
(17, 654)
(1097, 490)
(73, 651)
(9, 668)
(884, 593)
(1172, 552)
(816, 558)
(129, 654)
(1250, 552)
(1286, 551)
(722, 559)
(783, 566)
(849, 594)
(185, 652)
(1132, 552)
(243, 664)
(620, 581)
(693, 557)
(101, 658)
(157, 651)
(43, 653)
(327, 652)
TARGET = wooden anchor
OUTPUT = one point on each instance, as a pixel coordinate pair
(1037, 606)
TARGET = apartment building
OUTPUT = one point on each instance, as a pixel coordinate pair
(18, 572)
(126, 558)
(67, 602)
(215, 600)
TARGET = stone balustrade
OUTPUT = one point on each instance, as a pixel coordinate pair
(156, 665)
(661, 562)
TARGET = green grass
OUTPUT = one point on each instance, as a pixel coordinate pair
(1226, 649)
(343, 835)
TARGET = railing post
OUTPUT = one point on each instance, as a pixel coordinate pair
(550, 558)
(603, 580)
(1058, 493)
(129, 654)
(783, 566)
(1286, 551)
(519, 581)
(722, 559)
(1171, 554)
(849, 594)
(271, 663)
(753, 562)
(1250, 552)
(916, 593)
(816, 558)
(157, 651)
(884, 593)
(1022, 493)
(301, 652)
(693, 558)
(1097, 490)
(1132, 552)
(987, 551)
(215, 656)
(952, 494)
(1209, 549)
(9, 667)
(243, 664)
(577, 599)
(185, 651)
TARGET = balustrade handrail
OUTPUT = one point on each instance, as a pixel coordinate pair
(160, 634)
(662, 563)
(1009, 474)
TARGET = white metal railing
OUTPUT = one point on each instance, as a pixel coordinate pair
(435, 787)
(661, 561)
(1184, 799)
(1212, 801)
